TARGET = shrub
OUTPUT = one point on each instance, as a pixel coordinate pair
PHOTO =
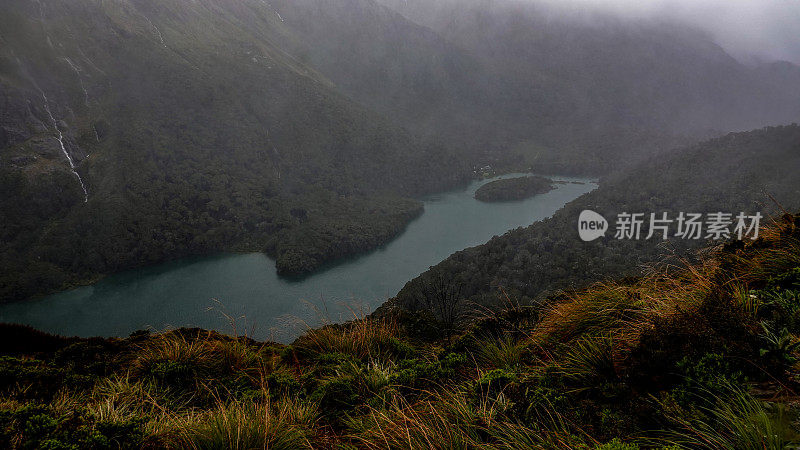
(415, 372)
(337, 394)
(37, 426)
(616, 444)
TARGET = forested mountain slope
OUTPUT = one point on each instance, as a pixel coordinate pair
(190, 133)
(303, 127)
(732, 174)
(583, 88)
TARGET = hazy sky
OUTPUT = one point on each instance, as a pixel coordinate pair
(769, 29)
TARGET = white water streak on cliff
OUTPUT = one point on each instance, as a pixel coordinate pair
(60, 138)
(161, 39)
(80, 80)
(158, 32)
(89, 61)
(59, 135)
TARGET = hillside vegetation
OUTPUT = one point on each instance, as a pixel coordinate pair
(585, 90)
(518, 188)
(134, 132)
(734, 173)
(192, 133)
(701, 356)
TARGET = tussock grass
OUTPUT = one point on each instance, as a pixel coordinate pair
(362, 339)
(587, 360)
(579, 373)
(175, 356)
(604, 309)
(505, 352)
(174, 348)
(776, 250)
(284, 425)
(447, 420)
(735, 420)
(624, 311)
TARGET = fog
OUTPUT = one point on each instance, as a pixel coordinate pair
(750, 30)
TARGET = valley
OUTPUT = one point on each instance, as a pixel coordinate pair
(138, 132)
(206, 292)
(400, 224)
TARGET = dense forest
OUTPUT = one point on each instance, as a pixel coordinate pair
(517, 188)
(182, 156)
(134, 132)
(704, 357)
(137, 132)
(740, 172)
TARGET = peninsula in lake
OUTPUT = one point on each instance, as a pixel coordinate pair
(519, 188)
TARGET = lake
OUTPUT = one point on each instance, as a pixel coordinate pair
(242, 294)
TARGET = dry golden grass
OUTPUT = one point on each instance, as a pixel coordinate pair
(285, 424)
(363, 338)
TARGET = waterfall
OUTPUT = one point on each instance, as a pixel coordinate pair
(158, 32)
(80, 80)
(60, 138)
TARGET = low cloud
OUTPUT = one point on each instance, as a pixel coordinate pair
(748, 29)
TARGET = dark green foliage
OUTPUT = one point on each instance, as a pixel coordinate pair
(337, 394)
(283, 382)
(778, 350)
(729, 174)
(494, 382)
(45, 378)
(419, 373)
(42, 428)
(617, 444)
(194, 147)
(513, 189)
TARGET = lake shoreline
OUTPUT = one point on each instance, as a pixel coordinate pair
(196, 290)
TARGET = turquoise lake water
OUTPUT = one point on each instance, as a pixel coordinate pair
(241, 293)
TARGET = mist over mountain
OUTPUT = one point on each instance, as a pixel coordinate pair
(749, 30)
(191, 131)
(138, 131)
(375, 224)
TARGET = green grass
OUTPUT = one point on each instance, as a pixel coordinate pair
(706, 357)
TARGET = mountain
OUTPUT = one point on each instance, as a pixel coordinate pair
(134, 132)
(137, 131)
(731, 174)
(584, 88)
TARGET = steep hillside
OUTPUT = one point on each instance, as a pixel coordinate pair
(134, 132)
(137, 131)
(405, 71)
(705, 357)
(587, 89)
(731, 174)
